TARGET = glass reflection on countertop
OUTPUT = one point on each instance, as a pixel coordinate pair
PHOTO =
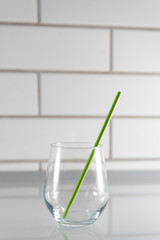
(133, 211)
(86, 233)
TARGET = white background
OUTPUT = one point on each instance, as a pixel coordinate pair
(61, 65)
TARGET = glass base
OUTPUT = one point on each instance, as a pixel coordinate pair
(77, 219)
(74, 219)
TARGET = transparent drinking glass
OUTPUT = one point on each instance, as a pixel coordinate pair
(65, 165)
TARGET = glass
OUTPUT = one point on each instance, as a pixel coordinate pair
(65, 165)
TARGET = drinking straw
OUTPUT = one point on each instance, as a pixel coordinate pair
(84, 172)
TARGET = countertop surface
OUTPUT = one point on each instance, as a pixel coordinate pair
(133, 211)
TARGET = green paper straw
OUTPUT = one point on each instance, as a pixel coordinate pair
(84, 172)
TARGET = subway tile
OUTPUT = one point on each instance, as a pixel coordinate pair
(44, 166)
(50, 48)
(10, 167)
(144, 13)
(31, 138)
(126, 209)
(18, 11)
(132, 165)
(136, 51)
(136, 138)
(75, 94)
(22, 190)
(18, 94)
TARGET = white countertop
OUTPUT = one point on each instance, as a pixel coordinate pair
(133, 211)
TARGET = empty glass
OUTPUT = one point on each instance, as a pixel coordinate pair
(65, 165)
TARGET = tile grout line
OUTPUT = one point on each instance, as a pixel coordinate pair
(79, 72)
(24, 161)
(89, 26)
(38, 12)
(111, 50)
(76, 117)
(39, 93)
(51, 117)
(40, 167)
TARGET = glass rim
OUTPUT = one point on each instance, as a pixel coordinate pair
(75, 145)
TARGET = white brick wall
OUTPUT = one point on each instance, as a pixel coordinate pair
(61, 65)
